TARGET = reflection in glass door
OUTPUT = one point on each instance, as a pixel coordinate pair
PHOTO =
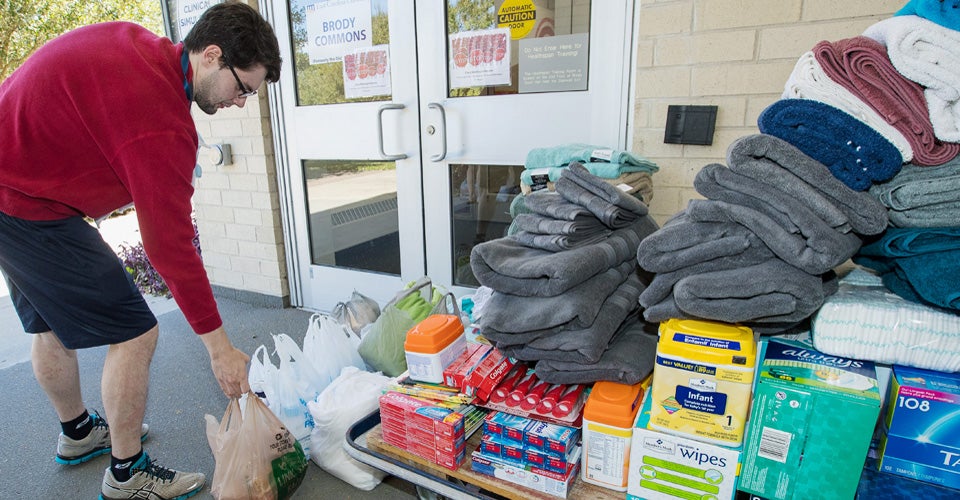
(399, 173)
(349, 108)
(520, 74)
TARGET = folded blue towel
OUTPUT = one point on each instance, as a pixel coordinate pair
(945, 13)
(560, 156)
(854, 152)
(909, 241)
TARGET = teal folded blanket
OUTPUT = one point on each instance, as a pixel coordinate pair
(946, 13)
(560, 156)
(918, 264)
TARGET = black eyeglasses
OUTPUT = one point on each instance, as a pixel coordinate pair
(244, 91)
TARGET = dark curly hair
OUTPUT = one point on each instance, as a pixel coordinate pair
(245, 37)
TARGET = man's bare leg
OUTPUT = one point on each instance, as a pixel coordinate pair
(56, 370)
(126, 374)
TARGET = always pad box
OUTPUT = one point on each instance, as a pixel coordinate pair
(922, 424)
(811, 423)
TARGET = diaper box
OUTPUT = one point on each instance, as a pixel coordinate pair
(666, 466)
(922, 438)
(811, 423)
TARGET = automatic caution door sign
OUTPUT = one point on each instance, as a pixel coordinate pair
(519, 16)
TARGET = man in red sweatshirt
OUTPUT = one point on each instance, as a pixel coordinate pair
(93, 121)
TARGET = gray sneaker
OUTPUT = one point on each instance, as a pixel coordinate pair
(149, 481)
(72, 451)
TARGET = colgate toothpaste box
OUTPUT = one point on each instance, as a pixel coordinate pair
(418, 414)
(504, 424)
(481, 382)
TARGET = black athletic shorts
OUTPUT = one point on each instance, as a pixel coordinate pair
(64, 277)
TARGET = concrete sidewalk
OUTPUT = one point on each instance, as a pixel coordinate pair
(182, 391)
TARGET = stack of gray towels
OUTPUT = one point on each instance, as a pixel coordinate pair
(761, 249)
(566, 285)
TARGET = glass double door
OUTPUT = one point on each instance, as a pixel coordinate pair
(404, 127)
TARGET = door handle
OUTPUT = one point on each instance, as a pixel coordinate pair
(443, 131)
(383, 153)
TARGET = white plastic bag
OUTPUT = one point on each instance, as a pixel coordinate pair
(357, 313)
(330, 347)
(262, 376)
(350, 397)
(296, 383)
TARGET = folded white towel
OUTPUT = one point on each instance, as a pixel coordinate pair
(926, 53)
(864, 320)
(809, 81)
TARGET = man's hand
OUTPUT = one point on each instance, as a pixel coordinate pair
(228, 363)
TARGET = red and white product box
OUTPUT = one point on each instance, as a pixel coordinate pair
(457, 377)
(450, 460)
(417, 414)
(535, 478)
(448, 372)
(506, 425)
(496, 445)
(549, 438)
(487, 375)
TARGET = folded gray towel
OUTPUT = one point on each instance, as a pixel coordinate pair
(550, 204)
(612, 206)
(582, 225)
(774, 161)
(577, 308)
(667, 308)
(581, 346)
(683, 242)
(769, 292)
(662, 284)
(718, 182)
(556, 235)
(922, 196)
(816, 252)
(628, 360)
(556, 242)
(507, 266)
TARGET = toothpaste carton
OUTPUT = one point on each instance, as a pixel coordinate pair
(504, 424)
(811, 423)
(922, 424)
(535, 478)
(665, 466)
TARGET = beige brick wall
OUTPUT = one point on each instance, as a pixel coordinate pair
(735, 54)
(237, 206)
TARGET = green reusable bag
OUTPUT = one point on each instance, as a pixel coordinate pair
(382, 345)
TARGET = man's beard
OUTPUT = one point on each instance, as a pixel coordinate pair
(201, 97)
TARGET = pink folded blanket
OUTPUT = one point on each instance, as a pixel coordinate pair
(861, 65)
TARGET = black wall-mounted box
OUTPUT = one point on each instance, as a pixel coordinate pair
(690, 125)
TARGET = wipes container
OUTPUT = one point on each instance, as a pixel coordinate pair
(702, 380)
(432, 345)
(608, 417)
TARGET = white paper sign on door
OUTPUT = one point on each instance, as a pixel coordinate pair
(480, 58)
(189, 12)
(335, 27)
(366, 72)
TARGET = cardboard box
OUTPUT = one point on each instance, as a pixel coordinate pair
(922, 424)
(665, 466)
(535, 478)
(811, 422)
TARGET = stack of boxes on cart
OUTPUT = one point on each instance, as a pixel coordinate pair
(722, 416)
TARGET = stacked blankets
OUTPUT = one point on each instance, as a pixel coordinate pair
(564, 298)
(761, 248)
(627, 171)
(922, 196)
(926, 53)
(918, 264)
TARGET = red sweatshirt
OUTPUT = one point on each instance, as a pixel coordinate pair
(99, 118)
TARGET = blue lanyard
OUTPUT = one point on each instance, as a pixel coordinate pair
(187, 85)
